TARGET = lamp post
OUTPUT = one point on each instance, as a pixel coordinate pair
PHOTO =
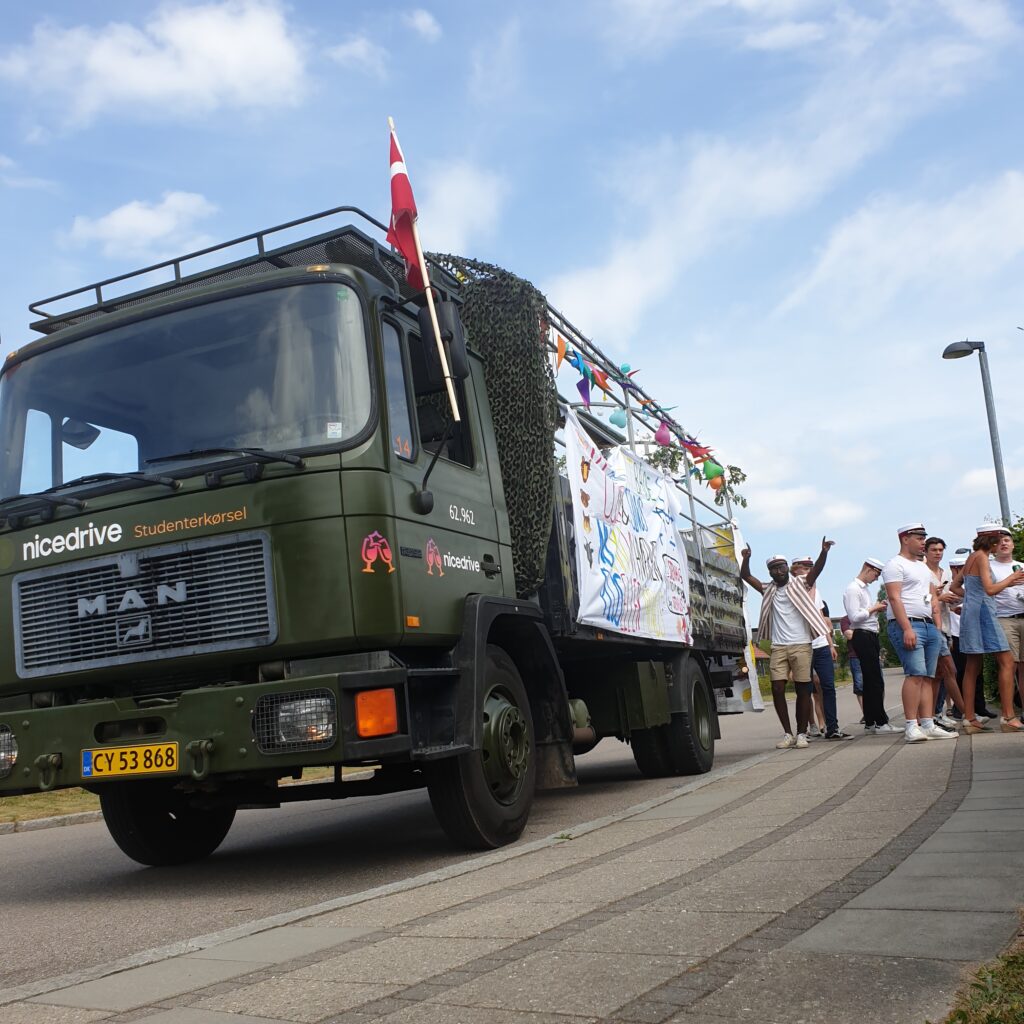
(958, 350)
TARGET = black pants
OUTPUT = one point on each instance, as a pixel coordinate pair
(865, 643)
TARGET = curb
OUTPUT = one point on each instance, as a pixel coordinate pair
(59, 821)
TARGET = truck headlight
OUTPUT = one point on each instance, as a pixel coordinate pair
(8, 751)
(306, 720)
(309, 720)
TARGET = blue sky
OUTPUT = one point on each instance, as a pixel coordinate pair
(780, 211)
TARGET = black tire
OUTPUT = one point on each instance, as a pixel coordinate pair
(650, 751)
(691, 733)
(686, 744)
(482, 799)
(155, 825)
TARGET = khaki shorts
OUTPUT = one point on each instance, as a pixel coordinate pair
(1014, 630)
(795, 658)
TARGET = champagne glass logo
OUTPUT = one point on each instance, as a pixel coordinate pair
(375, 546)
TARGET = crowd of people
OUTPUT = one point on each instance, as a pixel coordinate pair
(941, 622)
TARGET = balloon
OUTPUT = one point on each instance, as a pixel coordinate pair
(662, 435)
(618, 418)
(716, 482)
(712, 470)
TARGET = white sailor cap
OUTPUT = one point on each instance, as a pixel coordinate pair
(992, 528)
(775, 559)
(956, 561)
(912, 528)
(875, 563)
(802, 560)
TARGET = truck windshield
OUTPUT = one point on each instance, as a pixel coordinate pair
(281, 369)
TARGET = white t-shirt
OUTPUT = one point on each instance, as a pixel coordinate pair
(788, 625)
(819, 641)
(916, 581)
(1011, 600)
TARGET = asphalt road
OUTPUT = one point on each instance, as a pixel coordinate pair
(72, 900)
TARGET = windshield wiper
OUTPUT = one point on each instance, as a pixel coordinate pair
(135, 478)
(262, 454)
(35, 504)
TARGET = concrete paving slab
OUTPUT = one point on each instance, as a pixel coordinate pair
(150, 984)
(36, 1013)
(689, 934)
(699, 846)
(188, 1015)
(284, 997)
(1009, 803)
(984, 821)
(804, 846)
(442, 1013)
(786, 987)
(281, 944)
(387, 911)
(560, 981)
(996, 865)
(605, 882)
(916, 893)
(922, 934)
(976, 842)
(510, 917)
(612, 837)
(402, 960)
(998, 789)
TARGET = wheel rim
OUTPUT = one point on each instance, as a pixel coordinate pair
(506, 745)
(702, 716)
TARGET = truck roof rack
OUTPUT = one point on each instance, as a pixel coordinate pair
(346, 244)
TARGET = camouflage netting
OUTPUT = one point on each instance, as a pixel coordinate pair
(506, 322)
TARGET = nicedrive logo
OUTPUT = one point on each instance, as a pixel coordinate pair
(78, 539)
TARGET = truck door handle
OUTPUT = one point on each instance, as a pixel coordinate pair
(490, 566)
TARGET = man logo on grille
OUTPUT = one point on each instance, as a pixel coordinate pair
(132, 600)
(133, 635)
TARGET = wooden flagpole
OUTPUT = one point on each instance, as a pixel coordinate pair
(430, 298)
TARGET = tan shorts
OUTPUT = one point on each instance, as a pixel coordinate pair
(1014, 630)
(795, 658)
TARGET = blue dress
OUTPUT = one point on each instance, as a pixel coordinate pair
(980, 632)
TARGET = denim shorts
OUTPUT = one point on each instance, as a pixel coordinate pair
(943, 646)
(922, 659)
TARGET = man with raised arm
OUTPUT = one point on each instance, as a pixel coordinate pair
(911, 590)
(790, 621)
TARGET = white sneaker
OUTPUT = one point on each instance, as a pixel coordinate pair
(884, 728)
(949, 723)
(813, 732)
(801, 741)
(785, 743)
(936, 732)
(915, 734)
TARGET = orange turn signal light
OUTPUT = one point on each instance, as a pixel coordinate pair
(376, 712)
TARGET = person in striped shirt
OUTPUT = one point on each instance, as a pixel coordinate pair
(790, 620)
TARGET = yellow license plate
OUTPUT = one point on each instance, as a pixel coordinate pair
(139, 759)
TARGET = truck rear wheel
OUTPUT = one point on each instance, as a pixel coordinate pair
(482, 799)
(685, 745)
(155, 825)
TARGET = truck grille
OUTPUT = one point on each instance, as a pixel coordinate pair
(196, 597)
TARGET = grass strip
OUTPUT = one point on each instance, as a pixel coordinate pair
(996, 993)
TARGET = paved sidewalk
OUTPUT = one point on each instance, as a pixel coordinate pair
(852, 882)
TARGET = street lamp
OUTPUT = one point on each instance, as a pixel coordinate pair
(958, 350)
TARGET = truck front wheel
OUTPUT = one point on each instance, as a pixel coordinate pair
(482, 799)
(157, 826)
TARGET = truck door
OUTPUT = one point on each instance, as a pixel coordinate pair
(452, 551)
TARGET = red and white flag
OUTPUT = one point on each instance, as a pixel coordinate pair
(403, 213)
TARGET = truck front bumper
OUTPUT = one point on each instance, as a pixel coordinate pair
(216, 731)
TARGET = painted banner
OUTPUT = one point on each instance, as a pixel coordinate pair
(630, 559)
(752, 699)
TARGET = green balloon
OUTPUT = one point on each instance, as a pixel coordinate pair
(712, 469)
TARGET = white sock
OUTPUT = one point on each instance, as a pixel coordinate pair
(911, 722)
(927, 723)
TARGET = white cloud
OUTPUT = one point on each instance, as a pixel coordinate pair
(496, 66)
(840, 512)
(359, 53)
(461, 207)
(987, 19)
(185, 60)
(787, 35)
(424, 24)
(145, 229)
(892, 245)
(699, 193)
(5, 162)
(10, 179)
(983, 480)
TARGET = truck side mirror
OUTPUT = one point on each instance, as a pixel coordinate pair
(78, 433)
(454, 338)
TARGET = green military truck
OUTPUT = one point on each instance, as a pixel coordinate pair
(242, 535)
